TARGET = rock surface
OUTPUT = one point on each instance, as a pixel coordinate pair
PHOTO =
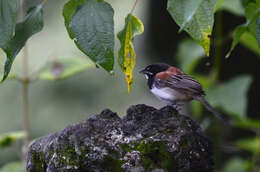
(146, 139)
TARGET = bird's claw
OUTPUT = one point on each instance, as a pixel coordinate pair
(176, 106)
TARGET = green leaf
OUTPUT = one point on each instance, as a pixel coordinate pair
(248, 123)
(126, 54)
(239, 31)
(231, 96)
(196, 106)
(90, 24)
(218, 5)
(68, 11)
(252, 13)
(257, 31)
(8, 15)
(248, 40)
(188, 55)
(196, 17)
(237, 164)
(32, 24)
(63, 68)
(233, 6)
(197, 109)
(246, 2)
(8, 138)
(250, 144)
(251, 8)
(13, 167)
(204, 80)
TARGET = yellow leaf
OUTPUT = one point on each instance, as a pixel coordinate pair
(205, 42)
(126, 54)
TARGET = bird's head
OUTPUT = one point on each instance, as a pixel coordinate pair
(151, 70)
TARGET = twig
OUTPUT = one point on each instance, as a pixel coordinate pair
(25, 83)
(218, 49)
(43, 2)
(136, 1)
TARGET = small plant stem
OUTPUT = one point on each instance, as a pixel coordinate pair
(43, 2)
(26, 112)
(218, 48)
(25, 83)
(255, 157)
(136, 1)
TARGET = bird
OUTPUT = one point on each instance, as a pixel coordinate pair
(174, 87)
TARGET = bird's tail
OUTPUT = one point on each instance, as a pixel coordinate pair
(210, 108)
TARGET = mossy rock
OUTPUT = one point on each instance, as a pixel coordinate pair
(146, 139)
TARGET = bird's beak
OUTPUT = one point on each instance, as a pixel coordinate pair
(143, 71)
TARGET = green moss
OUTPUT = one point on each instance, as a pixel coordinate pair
(166, 160)
(155, 155)
(68, 156)
(147, 163)
(112, 164)
(184, 142)
(125, 148)
(84, 150)
(38, 160)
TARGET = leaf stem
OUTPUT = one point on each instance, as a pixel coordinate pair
(26, 113)
(43, 2)
(218, 48)
(136, 1)
(25, 83)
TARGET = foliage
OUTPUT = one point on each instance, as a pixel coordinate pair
(90, 24)
(231, 96)
(13, 167)
(233, 6)
(195, 17)
(237, 164)
(250, 144)
(32, 23)
(62, 68)
(248, 123)
(8, 15)
(189, 54)
(249, 41)
(252, 12)
(8, 138)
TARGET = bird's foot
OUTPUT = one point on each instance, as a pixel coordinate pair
(176, 106)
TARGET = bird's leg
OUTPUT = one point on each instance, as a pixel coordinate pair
(176, 105)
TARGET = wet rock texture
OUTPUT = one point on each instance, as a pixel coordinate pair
(146, 139)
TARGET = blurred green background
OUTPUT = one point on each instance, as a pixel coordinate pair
(232, 85)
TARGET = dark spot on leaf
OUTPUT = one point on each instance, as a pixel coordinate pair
(57, 69)
(128, 55)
